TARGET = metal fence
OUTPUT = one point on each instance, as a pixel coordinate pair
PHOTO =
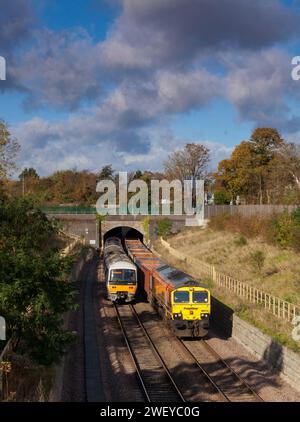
(209, 210)
(246, 210)
(74, 209)
(278, 307)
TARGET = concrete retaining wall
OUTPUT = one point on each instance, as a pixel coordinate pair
(282, 360)
(279, 358)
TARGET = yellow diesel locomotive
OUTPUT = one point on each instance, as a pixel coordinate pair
(184, 302)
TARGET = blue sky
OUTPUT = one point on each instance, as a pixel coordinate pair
(93, 82)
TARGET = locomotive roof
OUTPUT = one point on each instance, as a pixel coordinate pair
(169, 274)
(177, 278)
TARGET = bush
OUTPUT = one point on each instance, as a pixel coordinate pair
(282, 230)
(296, 239)
(284, 227)
(247, 226)
(163, 227)
(222, 197)
(296, 216)
(257, 259)
(241, 241)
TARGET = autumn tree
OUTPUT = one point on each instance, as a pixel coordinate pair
(249, 169)
(264, 143)
(189, 163)
(236, 174)
(289, 154)
(8, 150)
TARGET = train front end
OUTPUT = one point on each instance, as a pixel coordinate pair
(190, 311)
(122, 282)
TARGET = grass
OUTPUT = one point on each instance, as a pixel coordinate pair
(222, 250)
(255, 262)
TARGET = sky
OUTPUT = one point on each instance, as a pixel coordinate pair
(126, 82)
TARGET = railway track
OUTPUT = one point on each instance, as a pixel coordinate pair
(155, 380)
(225, 380)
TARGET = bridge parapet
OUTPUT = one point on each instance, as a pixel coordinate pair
(86, 226)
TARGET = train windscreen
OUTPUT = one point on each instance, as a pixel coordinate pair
(122, 276)
(200, 297)
(181, 297)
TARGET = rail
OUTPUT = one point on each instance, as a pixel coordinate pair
(147, 359)
(228, 383)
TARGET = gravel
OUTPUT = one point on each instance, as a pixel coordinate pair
(269, 385)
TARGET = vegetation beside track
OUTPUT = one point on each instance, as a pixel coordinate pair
(34, 295)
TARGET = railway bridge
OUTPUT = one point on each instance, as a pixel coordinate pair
(85, 224)
(94, 233)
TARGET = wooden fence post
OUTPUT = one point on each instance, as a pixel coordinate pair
(214, 275)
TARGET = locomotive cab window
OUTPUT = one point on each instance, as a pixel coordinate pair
(200, 297)
(181, 297)
(123, 276)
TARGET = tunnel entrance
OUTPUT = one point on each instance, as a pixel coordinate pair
(123, 232)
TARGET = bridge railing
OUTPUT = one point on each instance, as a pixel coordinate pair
(74, 209)
(209, 210)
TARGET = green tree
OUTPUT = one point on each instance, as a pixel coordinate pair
(106, 172)
(34, 292)
(138, 174)
(8, 151)
(221, 197)
(29, 172)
